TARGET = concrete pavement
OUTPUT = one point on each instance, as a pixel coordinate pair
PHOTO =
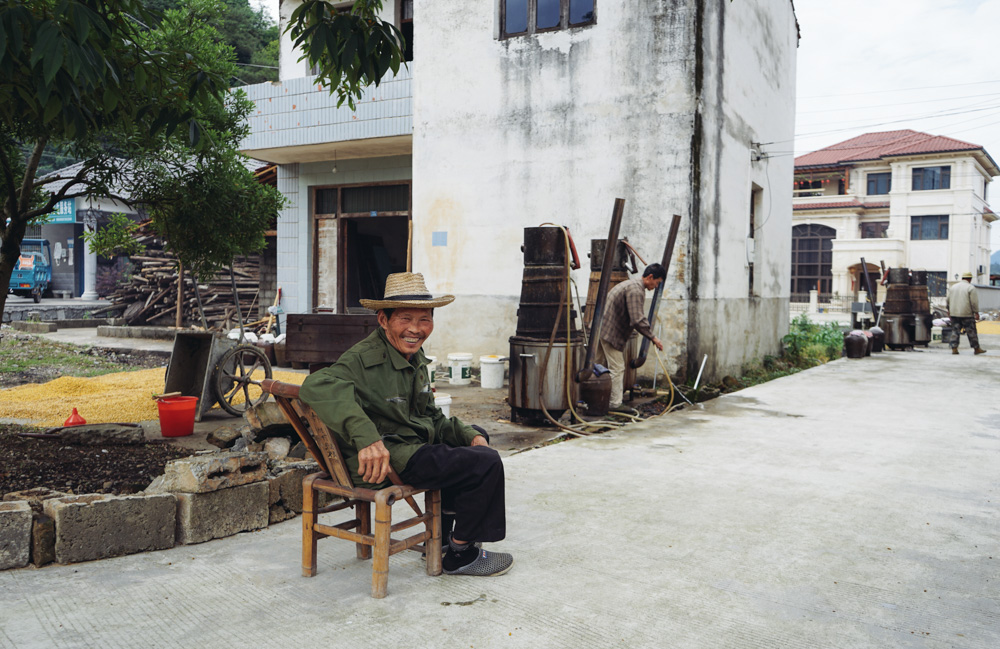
(851, 505)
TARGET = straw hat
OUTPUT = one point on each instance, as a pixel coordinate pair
(407, 290)
(966, 275)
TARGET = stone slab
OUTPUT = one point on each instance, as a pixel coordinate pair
(216, 514)
(15, 534)
(43, 540)
(30, 327)
(97, 526)
(35, 497)
(212, 472)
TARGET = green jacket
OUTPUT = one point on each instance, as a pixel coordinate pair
(373, 393)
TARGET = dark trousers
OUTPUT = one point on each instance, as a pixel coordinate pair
(969, 325)
(471, 482)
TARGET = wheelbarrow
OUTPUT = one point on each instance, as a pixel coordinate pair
(217, 370)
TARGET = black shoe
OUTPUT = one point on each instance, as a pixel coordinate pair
(476, 562)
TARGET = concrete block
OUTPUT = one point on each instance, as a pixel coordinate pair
(35, 327)
(15, 534)
(285, 489)
(43, 540)
(204, 473)
(97, 526)
(213, 515)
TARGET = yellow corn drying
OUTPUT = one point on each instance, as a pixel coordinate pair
(119, 397)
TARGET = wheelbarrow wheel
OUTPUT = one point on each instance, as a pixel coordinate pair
(237, 379)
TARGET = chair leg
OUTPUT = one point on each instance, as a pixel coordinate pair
(309, 519)
(432, 506)
(364, 514)
(383, 528)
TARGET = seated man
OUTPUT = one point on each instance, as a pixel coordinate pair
(377, 400)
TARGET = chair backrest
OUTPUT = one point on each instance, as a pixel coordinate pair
(311, 430)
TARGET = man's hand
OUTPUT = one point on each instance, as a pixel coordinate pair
(479, 440)
(659, 345)
(373, 463)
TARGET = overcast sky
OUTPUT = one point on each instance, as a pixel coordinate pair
(882, 65)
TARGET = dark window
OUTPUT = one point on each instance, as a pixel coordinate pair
(937, 283)
(406, 28)
(927, 228)
(326, 201)
(376, 198)
(879, 183)
(931, 178)
(530, 16)
(812, 258)
(876, 230)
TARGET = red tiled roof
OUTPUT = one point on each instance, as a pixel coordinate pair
(873, 146)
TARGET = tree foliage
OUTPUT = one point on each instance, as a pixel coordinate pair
(136, 106)
(351, 47)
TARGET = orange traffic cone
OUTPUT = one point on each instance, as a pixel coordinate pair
(74, 419)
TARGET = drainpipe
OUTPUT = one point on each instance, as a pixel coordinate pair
(668, 252)
(602, 290)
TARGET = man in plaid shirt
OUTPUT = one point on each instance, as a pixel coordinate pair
(622, 314)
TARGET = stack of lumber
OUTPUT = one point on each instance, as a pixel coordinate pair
(151, 296)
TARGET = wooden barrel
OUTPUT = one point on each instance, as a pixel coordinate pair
(617, 277)
(541, 303)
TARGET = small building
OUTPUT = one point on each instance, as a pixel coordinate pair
(898, 198)
(513, 115)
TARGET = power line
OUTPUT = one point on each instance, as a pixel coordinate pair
(922, 101)
(876, 92)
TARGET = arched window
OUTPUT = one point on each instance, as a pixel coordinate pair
(812, 256)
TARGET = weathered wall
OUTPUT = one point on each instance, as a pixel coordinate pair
(515, 133)
(746, 80)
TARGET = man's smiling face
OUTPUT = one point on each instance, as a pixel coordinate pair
(407, 328)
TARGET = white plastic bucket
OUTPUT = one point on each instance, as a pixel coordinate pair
(460, 369)
(491, 376)
(432, 368)
(443, 401)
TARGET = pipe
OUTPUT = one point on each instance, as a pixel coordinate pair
(602, 290)
(668, 252)
(868, 287)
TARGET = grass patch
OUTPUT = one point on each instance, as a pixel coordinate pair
(37, 356)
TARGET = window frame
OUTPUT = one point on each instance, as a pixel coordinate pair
(944, 173)
(876, 176)
(917, 225)
(532, 26)
(878, 228)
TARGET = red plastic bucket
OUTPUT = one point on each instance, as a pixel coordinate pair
(177, 415)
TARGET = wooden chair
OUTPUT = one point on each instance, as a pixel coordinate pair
(335, 479)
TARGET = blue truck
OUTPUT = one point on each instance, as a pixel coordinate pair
(32, 274)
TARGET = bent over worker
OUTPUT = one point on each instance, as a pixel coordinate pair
(378, 401)
(963, 310)
(622, 314)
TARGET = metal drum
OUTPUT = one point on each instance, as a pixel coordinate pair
(597, 246)
(918, 278)
(922, 323)
(544, 247)
(897, 333)
(899, 275)
(535, 382)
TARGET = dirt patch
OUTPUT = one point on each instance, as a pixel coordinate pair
(26, 463)
(30, 359)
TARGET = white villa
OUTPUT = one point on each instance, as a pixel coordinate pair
(903, 198)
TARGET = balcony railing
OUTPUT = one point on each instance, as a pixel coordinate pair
(828, 303)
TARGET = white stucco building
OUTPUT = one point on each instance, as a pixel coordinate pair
(502, 122)
(904, 198)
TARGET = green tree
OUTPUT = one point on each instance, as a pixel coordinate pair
(351, 47)
(137, 106)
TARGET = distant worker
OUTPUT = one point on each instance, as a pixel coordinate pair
(622, 314)
(963, 309)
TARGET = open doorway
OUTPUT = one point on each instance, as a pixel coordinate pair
(361, 235)
(373, 249)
